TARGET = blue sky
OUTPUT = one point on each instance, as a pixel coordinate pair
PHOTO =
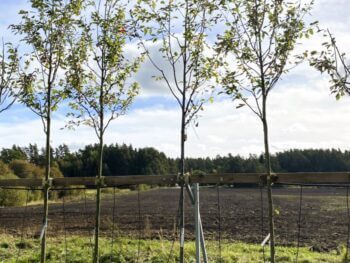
(303, 114)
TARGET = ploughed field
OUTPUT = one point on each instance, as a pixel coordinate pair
(324, 216)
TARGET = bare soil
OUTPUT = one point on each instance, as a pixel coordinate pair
(324, 216)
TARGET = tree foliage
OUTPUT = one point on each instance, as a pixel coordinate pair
(124, 159)
(179, 32)
(99, 76)
(10, 197)
(259, 40)
(332, 61)
(8, 76)
(14, 153)
(45, 28)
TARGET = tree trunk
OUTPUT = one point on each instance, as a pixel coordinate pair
(47, 177)
(183, 140)
(98, 202)
(182, 192)
(99, 176)
(269, 183)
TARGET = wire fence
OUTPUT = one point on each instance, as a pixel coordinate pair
(309, 215)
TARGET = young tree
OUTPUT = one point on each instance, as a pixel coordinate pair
(45, 29)
(99, 76)
(260, 38)
(179, 29)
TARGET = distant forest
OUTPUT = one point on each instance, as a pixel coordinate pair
(28, 162)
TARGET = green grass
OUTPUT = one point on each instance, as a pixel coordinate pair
(151, 251)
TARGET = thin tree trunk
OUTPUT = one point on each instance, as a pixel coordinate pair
(183, 140)
(100, 171)
(264, 90)
(182, 192)
(47, 176)
(269, 182)
(98, 203)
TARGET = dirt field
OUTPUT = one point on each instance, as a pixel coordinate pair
(324, 216)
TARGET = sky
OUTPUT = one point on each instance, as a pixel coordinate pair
(302, 112)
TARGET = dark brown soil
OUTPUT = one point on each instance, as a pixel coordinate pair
(324, 217)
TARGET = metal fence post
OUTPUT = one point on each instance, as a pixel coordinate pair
(197, 223)
(204, 251)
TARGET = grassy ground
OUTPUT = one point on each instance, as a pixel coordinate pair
(78, 195)
(151, 251)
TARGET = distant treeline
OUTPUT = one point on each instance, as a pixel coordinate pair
(126, 160)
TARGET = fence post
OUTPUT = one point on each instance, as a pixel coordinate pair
(204, 251)
(197, 223)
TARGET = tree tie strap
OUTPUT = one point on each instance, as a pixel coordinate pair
(183, 179)
(100, 182)
(43, 230)
(47, 184)
(263, 179)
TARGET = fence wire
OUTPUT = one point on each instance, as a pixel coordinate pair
(312, 215)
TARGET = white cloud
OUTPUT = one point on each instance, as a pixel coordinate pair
(303, 117)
